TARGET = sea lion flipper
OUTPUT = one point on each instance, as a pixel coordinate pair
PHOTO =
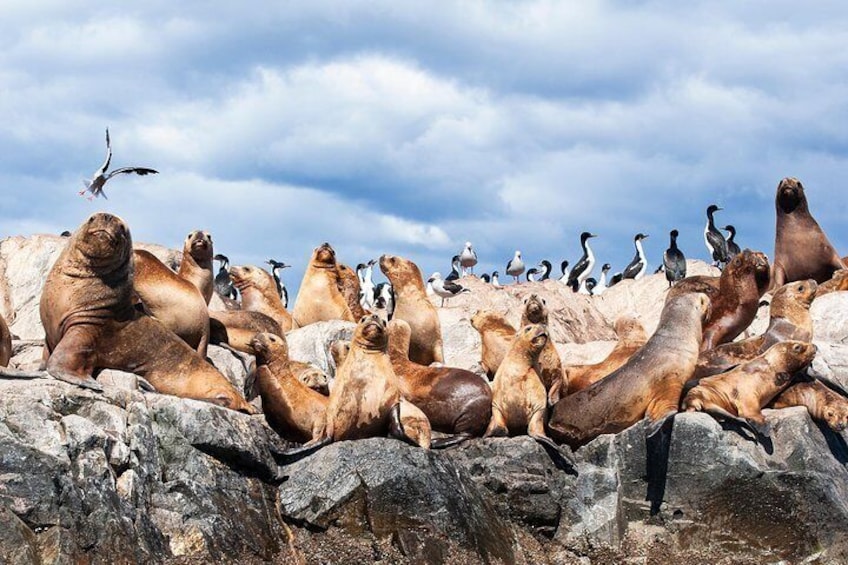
(144, 384)
(563, 461)
(12, 373)
(297, 453)
(657, 446)
(450, 441)
(721, 414)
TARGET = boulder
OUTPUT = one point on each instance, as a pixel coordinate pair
(311, 344)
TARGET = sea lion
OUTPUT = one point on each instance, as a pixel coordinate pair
(822, 403)
(837, 283)
(90, 322)
(801, 248)
(259, 294)
(320, 297)
(631, 338)
(291, 408)
(351, 290)
(550, 364)
(455, 401)
(172, 300)
(413, 307)
(338, 351)
(648, 385)
(743, 392)
(496, 335)
(5, 343)
(735, 296)
(236, 328)
(789, 320)
(196, 264)
(311, 376)
(365, 398)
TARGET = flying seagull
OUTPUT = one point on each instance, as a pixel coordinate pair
(96, 184)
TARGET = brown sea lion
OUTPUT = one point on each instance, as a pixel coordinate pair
(236, 328)
(291, 408)
(259, 294)
(801, 248)
(350, 289)
(172, 300)
(837, 283)
(648, 385)
(790, 320)
(455, 401)
(5, 343)
(496, 335)
(823, 404)
(90, 322)
(631, 338)
(365, 398)
(311, 376)
(550, 365)
(320, 297)
(413, 307)
(196, 264)
(735, 296)
(743, 392)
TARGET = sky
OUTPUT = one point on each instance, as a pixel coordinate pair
(412, 127)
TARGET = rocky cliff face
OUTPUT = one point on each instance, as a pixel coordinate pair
(130, 477)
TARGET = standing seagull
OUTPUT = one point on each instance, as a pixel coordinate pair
(467, 259)
(445, 289)
(455, 267)
(515, 266)
(674, 263)
(96, 184)
(583, 269)
(276, 267)
(732, 246)
(223, 282)
(563, 267)
(716, 244)
(637, 267)
(602, 282)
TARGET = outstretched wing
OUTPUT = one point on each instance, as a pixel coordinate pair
(127, 170)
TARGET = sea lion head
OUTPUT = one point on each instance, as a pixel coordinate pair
(104, 241)
(790, 196)
(314, 378)
(247, 276)
(339, 350)
(630, 329)
(752, 264)
(269, 347)
(835, 413)
(401, 272)
(324, 257)
(791, 356)
(535, 309)
(198, 244)
(536, 335)
(371, 333)
(796, 293)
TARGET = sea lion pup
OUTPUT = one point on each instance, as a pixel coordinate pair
(648, 385)
(550, 364)
(5, 343)
(291, 408)
(351, 289)
(631, 337)
(320, 297)
(365, 398)
(838, 282)
(790, 320)
(496, 335)
(455, 401)
(172, 300)
(196, 264)
(90, 322)
(822, 403)
(413, 307)
(259, 294)
(801, 248)
(741, 393)
(236, 328)
(311, 376)
(735, 296)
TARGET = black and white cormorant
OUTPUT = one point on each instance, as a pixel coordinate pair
(615, 279)
(223, 282)
(637, 267)
(366, 285)
(583, 269)
(445, 289)
(495, 281)
(532, 275)
(588, 286)
(716, 244)
(674, 263)
(276, 267)
(455, 269)
(544, 270)
(467, 259)
(485, 278)
(515, 267)
(601, 286)
(384, 298)
(563, 267)
(732, 246)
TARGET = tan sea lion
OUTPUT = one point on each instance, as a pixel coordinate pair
(496, 335)
(311, 376)
(236, 328)
(259, 294)
(631, 338)
(413, 307)
(5, 343)
(351, 289)
(648, 385)
(790, 320)
(823, 404)
(338, 351)
(550, 365)
(735, 296)
(291, 408)
(801, 248)
(90, 322)
(196, 264)
(320, 297)
(837, 283)
(455, 401)
(743, 392)
(172, 300)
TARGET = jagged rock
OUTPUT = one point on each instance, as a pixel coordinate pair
(830, 334)
(312, 343)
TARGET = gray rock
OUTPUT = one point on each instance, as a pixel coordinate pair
(312, 343)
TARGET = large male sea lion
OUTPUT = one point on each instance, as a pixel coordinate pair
(351, 289)
(172, 300)
(550, 365)
(801, 248)
(496, 335)
(648, 385)
(631, 338)
(259, 294)
(455, 401)
(320, 296)
(822, 403)
(90, 322)
(196, 264)
(413, 307)
(735, 296)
